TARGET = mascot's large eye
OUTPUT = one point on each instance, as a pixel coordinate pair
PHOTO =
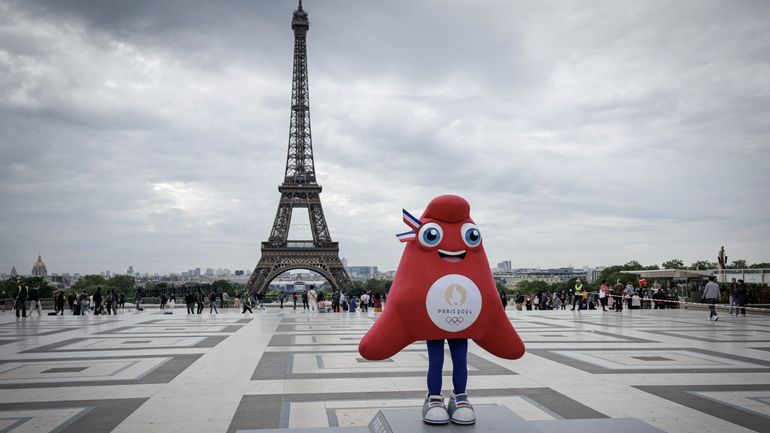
(430, 234)
(471, 234)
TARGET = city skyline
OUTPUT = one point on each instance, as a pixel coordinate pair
(154, 134)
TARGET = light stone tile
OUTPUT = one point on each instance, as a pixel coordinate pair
(308, 414)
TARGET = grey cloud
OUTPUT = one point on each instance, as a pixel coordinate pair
(154, 133)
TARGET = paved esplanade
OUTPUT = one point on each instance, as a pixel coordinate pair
(148, 372)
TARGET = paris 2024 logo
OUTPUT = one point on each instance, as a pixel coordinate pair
(453, 302)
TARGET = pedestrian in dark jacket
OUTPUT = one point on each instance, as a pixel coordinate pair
(741, 298)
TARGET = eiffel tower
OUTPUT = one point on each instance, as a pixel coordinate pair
(299, 190)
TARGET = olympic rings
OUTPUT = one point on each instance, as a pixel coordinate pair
(454, 320)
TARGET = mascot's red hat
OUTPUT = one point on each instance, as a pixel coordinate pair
(443, 288)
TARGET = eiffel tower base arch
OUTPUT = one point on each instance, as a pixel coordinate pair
(276, 261)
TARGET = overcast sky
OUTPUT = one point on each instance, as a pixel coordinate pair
(154, 134)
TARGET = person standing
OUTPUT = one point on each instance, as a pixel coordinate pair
(225, 300)
(618, 289)
(629, 294)
(34, 301)
(603, 292)
(577, 295)
(98, 302)
(189, 300)
(305, 303)
(121, 300)
(111, 302)
(21, 299)
(365, 302)
(312, 297)
(281, 298)
(58, 303)
(213, 302)
(741, 298)
(712, 296)
(294, 300)
(731, 297)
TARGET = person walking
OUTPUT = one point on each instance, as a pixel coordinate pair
(246, 303)
(213, 302)
(294, 300)
(603, 292)
(225, 300)
(305, 303)
(199, 297)
(741, 298)
(281, 298)
(98, 299)
(712, 296)
(121, 300)
(365, 302)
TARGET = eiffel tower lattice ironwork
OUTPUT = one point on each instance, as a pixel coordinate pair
(299, 190)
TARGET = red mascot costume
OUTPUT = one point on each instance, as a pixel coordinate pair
(443, 290)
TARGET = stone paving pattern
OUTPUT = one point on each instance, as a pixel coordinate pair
(153, 373)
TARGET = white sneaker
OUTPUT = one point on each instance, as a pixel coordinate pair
(461, 410)
(716, 318)
(433, 410)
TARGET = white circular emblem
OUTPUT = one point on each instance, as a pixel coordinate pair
(453, 302)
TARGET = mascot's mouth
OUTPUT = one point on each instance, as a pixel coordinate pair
(451, 256)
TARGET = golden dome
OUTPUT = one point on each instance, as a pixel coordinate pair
(38, 269)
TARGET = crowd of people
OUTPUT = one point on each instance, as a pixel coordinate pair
(608, 297)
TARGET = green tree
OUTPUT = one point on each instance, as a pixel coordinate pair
(673, 264)
(738, 264)
(88, 283)
(701, 265)
(532, 286)
(222, 286)
(760, 266)
(123, 283)
(614, 273)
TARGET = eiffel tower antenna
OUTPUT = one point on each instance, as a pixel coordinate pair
(299, 190)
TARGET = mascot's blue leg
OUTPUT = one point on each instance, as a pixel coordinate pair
(435, 365)
(459, 350)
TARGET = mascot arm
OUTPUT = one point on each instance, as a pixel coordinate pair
(386, 338)
(501, 339)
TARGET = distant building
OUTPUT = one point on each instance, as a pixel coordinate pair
(592, 275)
(504, 266)
(209, 272)
(239, 272)
(362, 271)
(38, 269)
(13, 272)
